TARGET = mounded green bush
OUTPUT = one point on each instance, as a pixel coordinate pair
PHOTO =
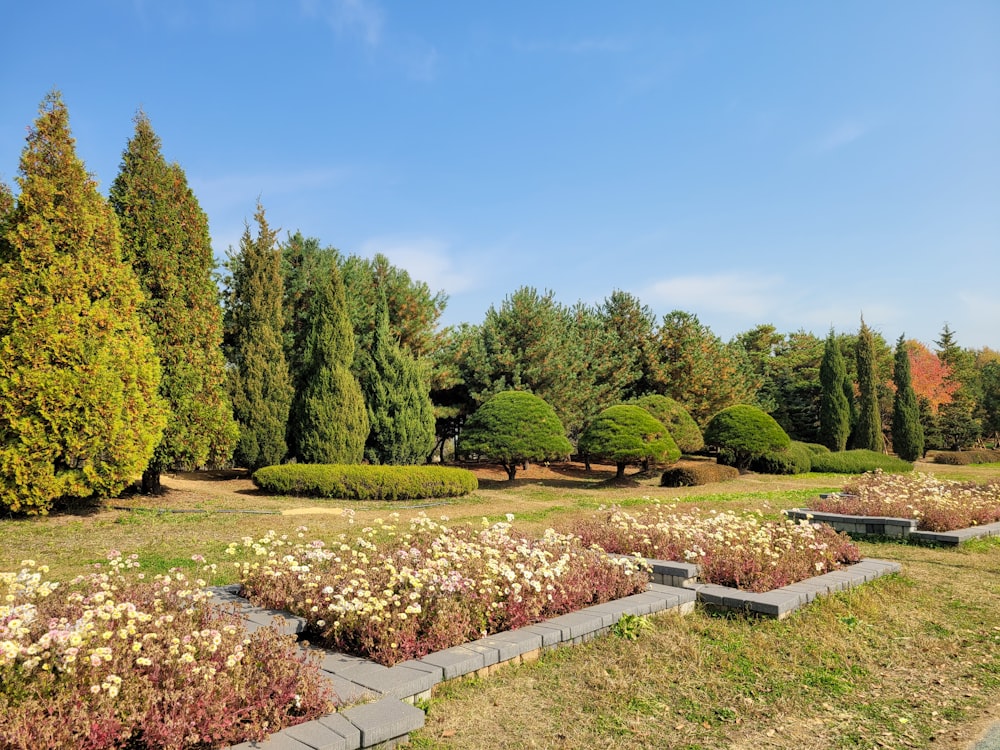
(816, 448)
(965, 458)
(858, 462)
(682, 427)
(628, 434)
(692, 475)
(742, 433)
(795, 459)
(363, 482)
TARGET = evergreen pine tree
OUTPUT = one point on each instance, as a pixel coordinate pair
(834, 409)
(328, 422)
(259, 382)
(79, 409)
(165, 238)
(868, 432)
(907, 434)
(397, 399)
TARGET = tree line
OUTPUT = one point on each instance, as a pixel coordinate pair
(122, 356)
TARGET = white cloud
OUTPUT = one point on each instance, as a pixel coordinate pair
(428, 260)
(740, 294)
(363, 18)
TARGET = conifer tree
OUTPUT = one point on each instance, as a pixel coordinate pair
(79, 410)
(328, 423)
(834, 409)
(259, 382)
(398, 400)
(907, 434)
(165, 238)
(868, 432)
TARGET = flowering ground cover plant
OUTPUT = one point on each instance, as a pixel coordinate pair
(741, 550)
(936, 504)
(111, 660)
(393, 593)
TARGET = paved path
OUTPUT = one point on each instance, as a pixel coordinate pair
(990, 740)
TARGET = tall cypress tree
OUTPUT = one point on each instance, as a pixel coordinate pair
(868, 432)
(398, 400)
(79, 408)
(165, 237)
(328, 423)
(259, 382)
(907, 434)
(834, 409)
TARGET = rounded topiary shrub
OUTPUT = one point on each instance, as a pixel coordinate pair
(742, 433)
(858, 462)
(816, 448)
(512, 428)
(628, 434)
(363, 482)
(694, 474)
(683, 429)
(795, 459)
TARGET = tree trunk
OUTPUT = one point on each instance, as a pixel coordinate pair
(151, 481)
(620, 473)
(511, 470)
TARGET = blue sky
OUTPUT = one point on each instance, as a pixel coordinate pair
(790, 163)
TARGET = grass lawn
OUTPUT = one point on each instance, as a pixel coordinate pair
(909, 661)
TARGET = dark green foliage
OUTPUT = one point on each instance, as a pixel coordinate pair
(990, 403)
(693, 366)
(834, 408)
(907, 434)
(933, 439)
(683, 429)
(858, 461)
(629, 353)
(259, 382)
(328, 423)
(627, 434)
(79, 409)
(868, 431)
(967, 458)
(816, 448)
(741, 433)
(795, 459)
(165, 238)
(957, 422)
(695, 474)
(531, 343)
(366, 482)
(400, 413)
(514, 427)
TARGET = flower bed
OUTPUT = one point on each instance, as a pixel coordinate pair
(111, 660)
(936, 504)
(738, 550)
(393, 594)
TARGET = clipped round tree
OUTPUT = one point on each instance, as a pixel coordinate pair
(743, 433)
(514, 427)
(682, 427)
(628, 434)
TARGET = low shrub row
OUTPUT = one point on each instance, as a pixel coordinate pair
(363, 482)
(694, 474)
(965, 458)
(858, 462)
(795, 459)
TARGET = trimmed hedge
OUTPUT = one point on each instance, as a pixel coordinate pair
(795, 459)
(858, 462)
(965, 458)
(363, 482)
(683, 429)
(816, 447)
(742, 433)
(691, 475)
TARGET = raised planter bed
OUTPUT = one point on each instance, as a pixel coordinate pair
(900, 528)
(389, 716)
(777, 603)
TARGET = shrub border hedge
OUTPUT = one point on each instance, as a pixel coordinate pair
(365, 482)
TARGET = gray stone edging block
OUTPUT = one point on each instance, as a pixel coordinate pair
(384, 720)
(905, 528)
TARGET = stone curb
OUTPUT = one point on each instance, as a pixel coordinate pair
(388, 720)
(903, 528)
(781, 602)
